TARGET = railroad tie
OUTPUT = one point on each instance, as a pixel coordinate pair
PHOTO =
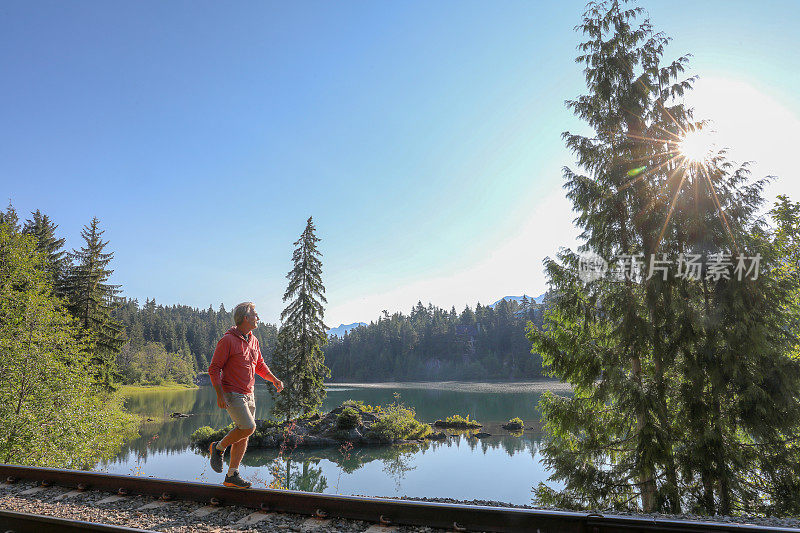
(314, 523)
(111, 499)
(202, 512)
(378, 528)
(34, 490)
(153, 505)
(69, 494)
(253, 518)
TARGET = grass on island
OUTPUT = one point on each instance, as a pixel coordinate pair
(457, 422)
(167, 386)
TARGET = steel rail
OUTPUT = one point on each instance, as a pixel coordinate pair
(457, 517)
(14, 522)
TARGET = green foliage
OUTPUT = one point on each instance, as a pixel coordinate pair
(51, 247)
(432, 343)
(298, 359)
(361, 406)
(152, 365)
(686, 394)
(786, 239)
(10, 218)
(458, 422)
(348, 418)
(203, 434)
(51, 412)
(516, 422)
(193, 333)
(398, 422)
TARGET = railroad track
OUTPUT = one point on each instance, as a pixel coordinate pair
(379, 511)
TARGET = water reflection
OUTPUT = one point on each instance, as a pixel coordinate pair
(430, 405)
(502, 467)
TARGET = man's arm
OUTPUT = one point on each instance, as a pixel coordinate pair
(215, 369)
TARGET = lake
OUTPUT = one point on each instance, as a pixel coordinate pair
(503, 467)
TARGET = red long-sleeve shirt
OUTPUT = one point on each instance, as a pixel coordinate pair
(236, 362)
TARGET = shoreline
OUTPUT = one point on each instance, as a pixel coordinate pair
(128, 389)
(465, 386)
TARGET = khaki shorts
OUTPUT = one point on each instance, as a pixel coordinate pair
(242, 408)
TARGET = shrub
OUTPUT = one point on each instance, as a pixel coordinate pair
(397, 422)
(361, 406)
(348, 418)
(459, 422)
(204, 435)
(516, 422)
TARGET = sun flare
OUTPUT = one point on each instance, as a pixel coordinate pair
(697, 145)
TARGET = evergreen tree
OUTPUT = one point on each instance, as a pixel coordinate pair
(668, 371)
(44, 230)
(298, 354)
(91, 299)
(10, 218)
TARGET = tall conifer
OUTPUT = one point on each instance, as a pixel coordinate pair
(298, 355)
(91, 299)
(44, 230)
(10, 218)
(668, 371)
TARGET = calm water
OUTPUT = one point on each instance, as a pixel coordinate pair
(502, 467)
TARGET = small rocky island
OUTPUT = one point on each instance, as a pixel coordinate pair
(353, 422)
(458, 422)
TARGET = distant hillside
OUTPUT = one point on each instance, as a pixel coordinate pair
(341, 329)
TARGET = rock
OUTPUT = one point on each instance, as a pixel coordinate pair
(512, 427)
(441, 435)
(180, 415)
(482, 434)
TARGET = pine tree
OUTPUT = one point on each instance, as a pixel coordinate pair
(298, 355)
(668, 372)
(10, 218)
(44, 230)
(91, 300)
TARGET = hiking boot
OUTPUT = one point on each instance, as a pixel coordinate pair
(236, 481)
(216, 457)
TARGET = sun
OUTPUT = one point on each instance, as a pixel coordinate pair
(697, 145)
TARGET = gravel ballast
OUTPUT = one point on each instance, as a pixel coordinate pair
(172, 517)
(177, 516)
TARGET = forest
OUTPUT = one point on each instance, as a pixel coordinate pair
(155, 343)
(430, 343)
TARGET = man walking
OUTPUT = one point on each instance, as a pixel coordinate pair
(237, 359)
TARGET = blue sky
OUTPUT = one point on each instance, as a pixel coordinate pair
(423, 137)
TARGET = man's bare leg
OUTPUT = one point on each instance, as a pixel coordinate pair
(237, 453)
(234, 436)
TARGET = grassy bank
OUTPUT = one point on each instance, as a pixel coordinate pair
(132, 389)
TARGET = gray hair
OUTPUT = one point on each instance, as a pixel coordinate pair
(240, 310)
